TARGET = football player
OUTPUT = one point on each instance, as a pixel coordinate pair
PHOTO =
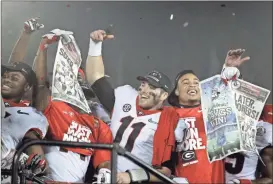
(192, 150)
(139, 123)
(17, 55)
(19, 125)
(69, 123)
(247, 168)
(19, 122)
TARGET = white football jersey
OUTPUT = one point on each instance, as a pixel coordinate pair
(238, 166)
(18, 121)
(15, 124)
(132, 132)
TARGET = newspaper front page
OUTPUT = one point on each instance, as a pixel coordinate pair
(219, 114)
(65, 86)
(230, 115)
(250, 100)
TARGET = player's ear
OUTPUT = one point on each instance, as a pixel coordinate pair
(27, 87)
(176, 92)
(164, 96)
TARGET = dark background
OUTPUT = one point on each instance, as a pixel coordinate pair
(197, 38)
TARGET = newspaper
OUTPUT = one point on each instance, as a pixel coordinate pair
(250, 100)
(65, 86)
(219, 114)
(231, 113)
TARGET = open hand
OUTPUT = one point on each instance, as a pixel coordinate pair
(234, 58)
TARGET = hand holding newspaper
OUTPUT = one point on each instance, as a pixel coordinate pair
(65, 85)
(230, 115)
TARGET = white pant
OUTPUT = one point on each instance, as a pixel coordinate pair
(66, 166)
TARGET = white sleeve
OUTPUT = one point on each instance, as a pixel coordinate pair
(180, 130)
(39, 122)
(125, 90)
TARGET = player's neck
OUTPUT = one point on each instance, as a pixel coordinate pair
(156, 107)
(14, 100)
(188, 104)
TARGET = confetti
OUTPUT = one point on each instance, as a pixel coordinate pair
(171, 17)
(185, 24)
(88, 9)
(233, 14)
(68, 5)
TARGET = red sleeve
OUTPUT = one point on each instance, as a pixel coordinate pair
(267, 113)
(104, 136)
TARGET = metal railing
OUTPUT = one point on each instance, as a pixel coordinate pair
(115, 150)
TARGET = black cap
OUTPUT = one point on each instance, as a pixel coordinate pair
(24, 68)
(173, 99)
(158, 80)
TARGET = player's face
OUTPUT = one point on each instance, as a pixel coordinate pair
(150, 98)
(187, 90)
(14, 85)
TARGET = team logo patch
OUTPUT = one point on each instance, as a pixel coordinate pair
(126, 107)
(188, 157)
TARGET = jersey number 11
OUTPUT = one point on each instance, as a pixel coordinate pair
(132, 137)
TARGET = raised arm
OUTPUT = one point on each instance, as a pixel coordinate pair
(233, 60)
(95, 74)
(20, 49)
(40, 68)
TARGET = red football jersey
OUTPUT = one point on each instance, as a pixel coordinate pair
(104, 137)
(193, 161)
(66, 124)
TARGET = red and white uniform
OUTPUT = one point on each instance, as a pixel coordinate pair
(193, 161)
(15, 125)
(133, 127)
(238, 166)
(66, 124)
(133, 132)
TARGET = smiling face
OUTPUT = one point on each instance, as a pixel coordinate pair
(150, 97)
(14, 85)
(187, 90)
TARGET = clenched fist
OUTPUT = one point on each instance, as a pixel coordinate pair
(100, 35)
(53, 36)
(32, 25)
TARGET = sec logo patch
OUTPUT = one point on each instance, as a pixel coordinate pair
(126, 107)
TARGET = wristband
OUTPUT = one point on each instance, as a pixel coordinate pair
(94, 48)
(138, 175)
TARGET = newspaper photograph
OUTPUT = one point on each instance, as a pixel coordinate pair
(65, 86)
(250, 100)
(219, 114)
